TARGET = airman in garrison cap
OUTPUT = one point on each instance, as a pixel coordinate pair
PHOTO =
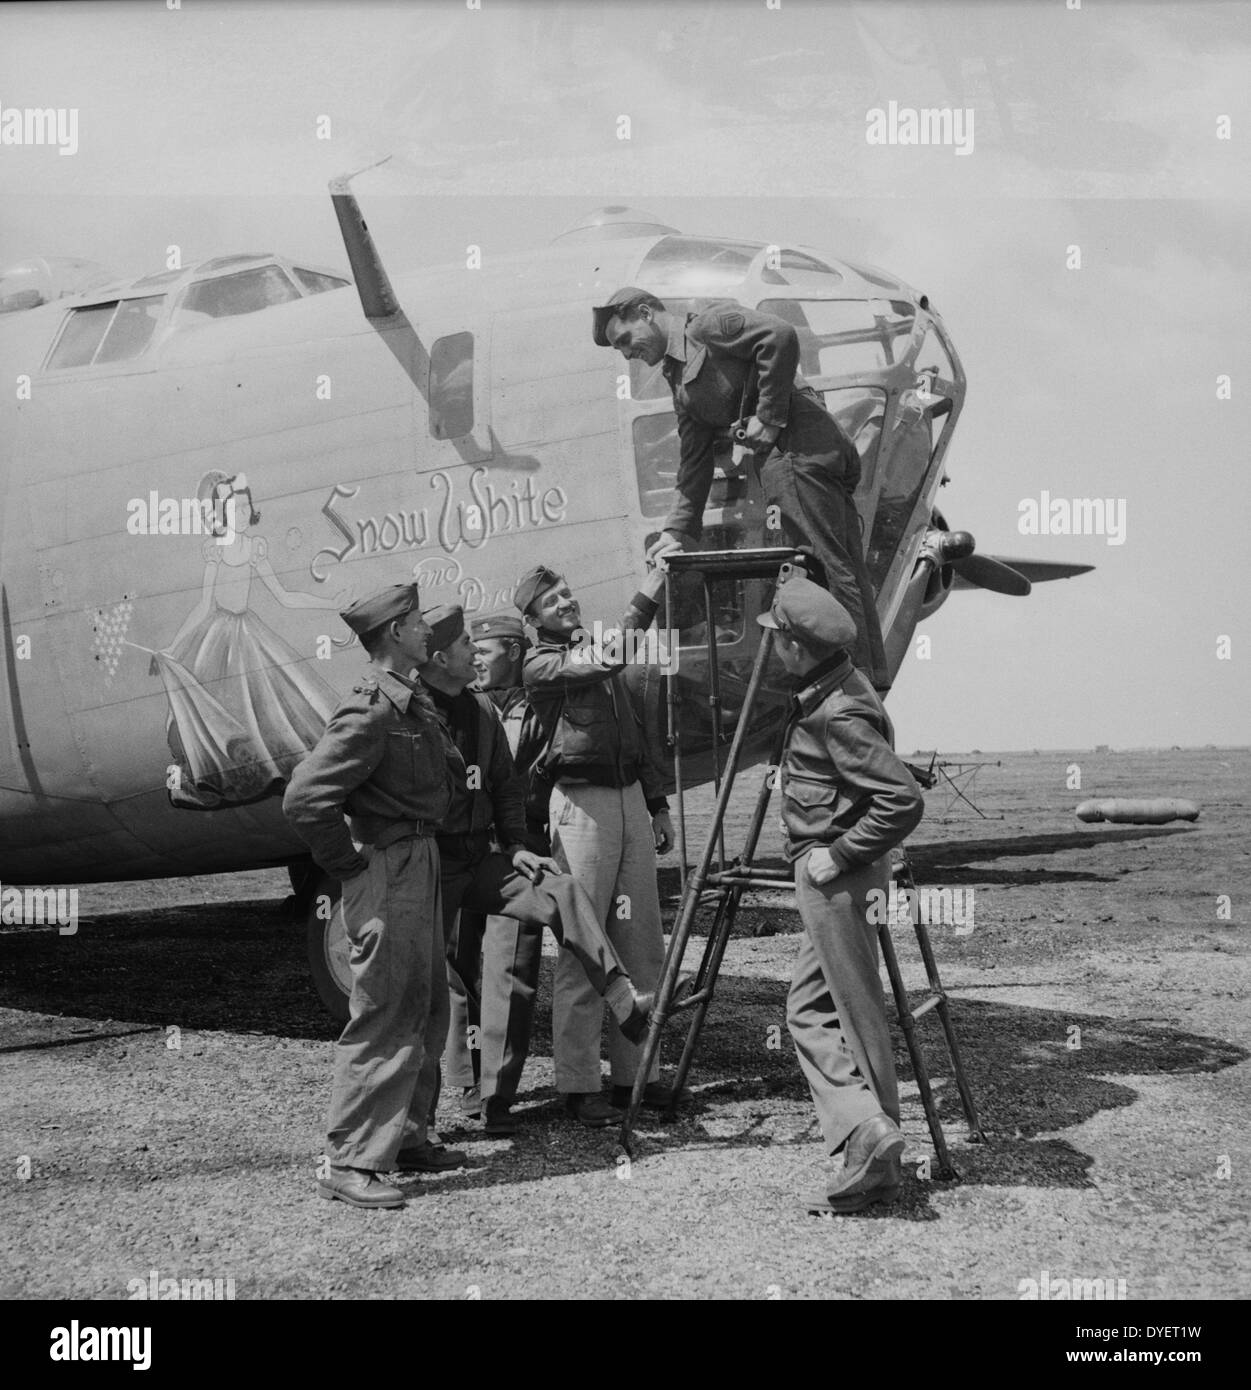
(515, 881)
(609, 817)
(847, 801)
(729, 366)
(385, 762)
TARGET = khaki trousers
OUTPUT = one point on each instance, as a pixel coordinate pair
(488, 883)
(603, 837)
(398, 1008)
(836, 1010)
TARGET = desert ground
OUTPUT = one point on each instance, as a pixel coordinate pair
(164, 1073)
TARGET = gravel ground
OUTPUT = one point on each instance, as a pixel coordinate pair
(165, 1071)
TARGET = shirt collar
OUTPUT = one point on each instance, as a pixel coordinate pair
(399, 689)
(676, 346)
(818, 682)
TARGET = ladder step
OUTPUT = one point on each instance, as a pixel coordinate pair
(931, 1003)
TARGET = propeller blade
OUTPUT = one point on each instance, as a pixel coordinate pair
(983, 572)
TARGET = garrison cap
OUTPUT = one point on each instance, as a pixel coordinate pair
(397, 601)
(447, 622)
(623, 302)
(810, 613)
(532, 584)
(503, 624)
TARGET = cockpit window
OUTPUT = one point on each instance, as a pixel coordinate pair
(317, 283)
(81, 335)
(697, 267)
(113, 332)
(839, 337)
(243, 293)
(131, 329)
(804, 272)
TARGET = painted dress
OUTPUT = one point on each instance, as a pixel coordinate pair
(243, 707)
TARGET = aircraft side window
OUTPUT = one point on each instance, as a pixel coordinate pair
(131, 330)
(110, 332)
(842, 337)
(317, 283)
(83, 332)
(242, 293)
(656, 453)
(451, 386)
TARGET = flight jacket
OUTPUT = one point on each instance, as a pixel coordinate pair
(708, 362)
(591, 729)
(842, 785)
(500, 799)
(527, 742)
(385, 761)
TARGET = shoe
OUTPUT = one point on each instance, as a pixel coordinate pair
(430, 1158)
(657, 1095)
(471, 1103)
(871, 1161)
(634, 1029)
(822, 1203)
(499, 1118)
(590, 1108)
(359, 1187)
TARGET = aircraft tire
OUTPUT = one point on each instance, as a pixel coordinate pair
(327, 947)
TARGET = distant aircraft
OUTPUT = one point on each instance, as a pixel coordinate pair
(203, 465)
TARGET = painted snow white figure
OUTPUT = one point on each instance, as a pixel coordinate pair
(243, 705)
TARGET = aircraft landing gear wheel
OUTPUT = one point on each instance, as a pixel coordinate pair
(328, 947)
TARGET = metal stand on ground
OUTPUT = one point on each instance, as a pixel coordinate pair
(726, 884)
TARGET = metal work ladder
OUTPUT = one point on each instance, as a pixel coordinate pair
(723, 886)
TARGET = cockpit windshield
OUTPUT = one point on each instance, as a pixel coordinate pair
(112, 332)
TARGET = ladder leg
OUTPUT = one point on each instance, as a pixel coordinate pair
(719, 935)
(919, 1069)
(690, 900)
(976, 1134)
(943, 1010)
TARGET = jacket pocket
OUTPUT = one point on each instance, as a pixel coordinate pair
(808, 808)
(411, 761)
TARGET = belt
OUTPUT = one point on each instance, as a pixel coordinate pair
(406, 830)
(466, 845)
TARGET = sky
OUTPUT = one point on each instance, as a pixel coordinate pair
(1097, 126)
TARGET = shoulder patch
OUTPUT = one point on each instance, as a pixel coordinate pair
(730, 323)
(367, 685)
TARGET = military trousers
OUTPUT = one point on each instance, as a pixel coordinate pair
(814, 494)
(603, 836)
(489, 884)
(489, 1037)
(398, 1006)
(836, 1010)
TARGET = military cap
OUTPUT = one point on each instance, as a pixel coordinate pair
(532, 584)
(447, 622)
(504, 625)
(811, 614)
(625, 301)
(396, 601)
